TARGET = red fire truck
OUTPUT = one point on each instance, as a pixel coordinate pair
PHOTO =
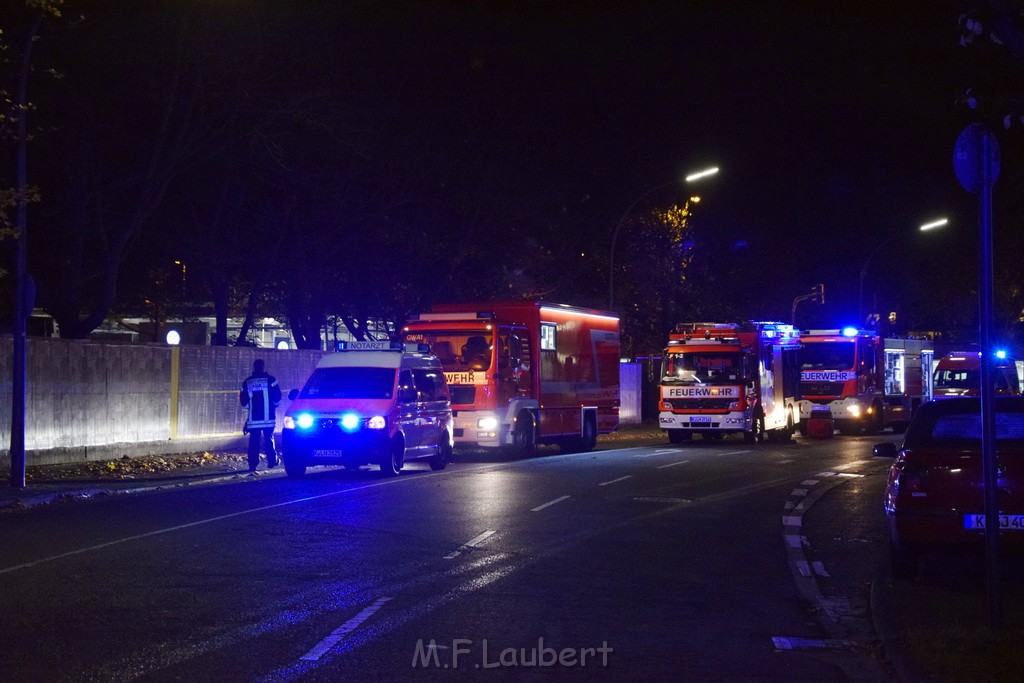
(523, 373)
(867, 381)
(731, 377)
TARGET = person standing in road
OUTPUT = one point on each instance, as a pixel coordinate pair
(260, 394)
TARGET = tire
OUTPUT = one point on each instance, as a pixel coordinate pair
(679, 435)
(588, 440)
(524, 436)
(392, 463)
(803, 428)
(903, 562)
(294, 466)
(444, 453)
(757, 433)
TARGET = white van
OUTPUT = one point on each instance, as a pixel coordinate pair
(380, 403)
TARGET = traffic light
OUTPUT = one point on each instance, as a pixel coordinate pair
(819, 292)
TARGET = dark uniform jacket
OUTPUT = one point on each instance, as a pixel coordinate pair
(260, 394)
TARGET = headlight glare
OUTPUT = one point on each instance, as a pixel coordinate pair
(377, 422)
(487, 423)
(350, 422)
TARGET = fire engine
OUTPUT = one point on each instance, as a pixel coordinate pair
(524, 373)
(959, 374)
(731, 377)
(868, 382)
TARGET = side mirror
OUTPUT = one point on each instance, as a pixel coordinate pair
(293, 394)
(884, 450)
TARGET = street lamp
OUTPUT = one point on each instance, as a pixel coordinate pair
(931, 225)
(615, 234)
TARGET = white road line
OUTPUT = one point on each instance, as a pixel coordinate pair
(789, 505)
(809, 482)
(549, 504)
(605, 483)
(736, 453)
(793, 540)
(784, 462)
(649, 455)
(673, 464)
(670, 450)
(819, 568)
(850, 475)
(799, 493)
(470, 544)
(805, 571)
(848, 465)
(792, 521)
(339, 633)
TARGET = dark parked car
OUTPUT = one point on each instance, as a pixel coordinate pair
(935, 496)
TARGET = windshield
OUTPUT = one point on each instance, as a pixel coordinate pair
(704, 368)
(957, 379)
(836, 355)
(959, 425)
(458, 350)
(350, 383)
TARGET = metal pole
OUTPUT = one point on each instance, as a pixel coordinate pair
(988, 421)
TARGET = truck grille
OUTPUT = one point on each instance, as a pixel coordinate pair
(463, 395)
(821, 388)
(703, 403)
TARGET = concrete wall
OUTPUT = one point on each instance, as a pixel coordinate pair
(88, 401)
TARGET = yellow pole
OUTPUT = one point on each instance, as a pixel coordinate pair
(175, 377)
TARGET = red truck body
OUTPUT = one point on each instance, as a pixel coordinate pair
(525, 372)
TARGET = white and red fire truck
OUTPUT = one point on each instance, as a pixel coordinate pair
(731, 377)
(959, 374)
(523, 373)
(867, 381)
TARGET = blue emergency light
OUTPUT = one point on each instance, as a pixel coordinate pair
(850, 331)
(304, 420)
(1001, 354)
(350, 422)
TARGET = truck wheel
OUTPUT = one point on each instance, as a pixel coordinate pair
(757, 433)
(524, 436)
(294, 466)
(803, 428)
(392, 462)
(679, 435)
(588, 440)
(444, 454)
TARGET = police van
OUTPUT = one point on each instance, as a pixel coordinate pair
(370, 403)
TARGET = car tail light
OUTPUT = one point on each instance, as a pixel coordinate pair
(911, 480)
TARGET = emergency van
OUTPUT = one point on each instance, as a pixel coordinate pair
(381, 403)
(959, 374)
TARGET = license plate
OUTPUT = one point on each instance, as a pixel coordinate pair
(697, 418)
(333, 453)
(1010, 522)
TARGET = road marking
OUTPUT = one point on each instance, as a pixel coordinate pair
(670, 450)
(673, 464)
(549, 503)
(792, 521)
(789, 505)
(784, 462)
(651, 455)
(794, 540)
(339, 633)
(605, 483)
(819, 568)
(809, 482)
(472, 543)
(736, 453)
(799, 493)
(848, 465)
(850, 475)
(804, 569)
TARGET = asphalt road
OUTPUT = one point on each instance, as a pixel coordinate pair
(706, 561)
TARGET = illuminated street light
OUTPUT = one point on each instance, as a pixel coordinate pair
(935, 224)
(615, 234)
(173, 338)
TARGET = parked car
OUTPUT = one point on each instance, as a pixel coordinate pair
(381, 403)
(934, 498)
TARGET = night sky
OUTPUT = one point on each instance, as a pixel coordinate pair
(833, 125)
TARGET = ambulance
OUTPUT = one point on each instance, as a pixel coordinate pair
(370, 403)
(959, 374)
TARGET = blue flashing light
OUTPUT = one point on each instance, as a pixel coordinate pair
(350, 422)
(304, 420)
(1001, 354)
(850, 331)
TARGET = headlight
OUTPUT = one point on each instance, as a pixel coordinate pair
(735, 405)
(854, 410)
(289, 422)
(303, 420)
(668, 406)
(350, 422)
(487, 423)
(377, 422)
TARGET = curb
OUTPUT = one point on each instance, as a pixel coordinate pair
(884, 620)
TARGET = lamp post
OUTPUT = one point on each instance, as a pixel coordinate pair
(615, 233)
(867, 262)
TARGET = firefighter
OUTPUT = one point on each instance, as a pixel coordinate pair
(260, 394)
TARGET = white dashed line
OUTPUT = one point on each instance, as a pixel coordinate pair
(805, 571)
(671, 450)
(605, 483)
(799, 493)
(809, 482)
(549, 503)
(470, 544)
(339, 633)
(794, 540)
(819, 568)
(673, 464)
(792, 521)
(848, 465)
(736, 453)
